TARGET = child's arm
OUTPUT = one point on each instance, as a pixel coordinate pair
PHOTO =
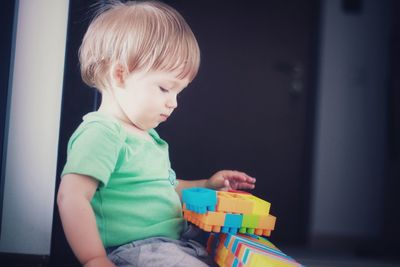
(222, 180)
(78, 220)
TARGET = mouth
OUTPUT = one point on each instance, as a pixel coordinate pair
(164, 117)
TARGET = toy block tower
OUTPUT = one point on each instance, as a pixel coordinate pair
(237, 221)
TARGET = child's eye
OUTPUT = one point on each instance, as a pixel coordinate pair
(163, 89)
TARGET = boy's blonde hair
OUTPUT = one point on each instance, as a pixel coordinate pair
(137, 35)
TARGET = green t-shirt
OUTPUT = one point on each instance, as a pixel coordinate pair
(136, 197)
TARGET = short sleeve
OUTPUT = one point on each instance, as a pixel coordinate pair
(93, 150)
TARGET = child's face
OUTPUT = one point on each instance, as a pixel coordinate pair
(149, 98)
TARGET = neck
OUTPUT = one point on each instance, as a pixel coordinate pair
(110, 106)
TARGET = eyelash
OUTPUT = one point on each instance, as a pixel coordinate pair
(163, 90)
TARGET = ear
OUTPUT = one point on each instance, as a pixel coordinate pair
(119, 74)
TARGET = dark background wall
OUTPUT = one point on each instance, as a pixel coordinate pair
(251, 106)
(391, 212)
(6, 24)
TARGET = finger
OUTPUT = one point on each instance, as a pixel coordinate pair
(234, 184)
(245, 186)
(246, 176)
(226, 183)
(226, 186)
(237, 175)
(249, 178)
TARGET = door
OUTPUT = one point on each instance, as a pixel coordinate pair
(251, 106)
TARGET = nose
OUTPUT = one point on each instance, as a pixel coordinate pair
(172, 101)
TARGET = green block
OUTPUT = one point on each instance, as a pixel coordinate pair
(250, 220)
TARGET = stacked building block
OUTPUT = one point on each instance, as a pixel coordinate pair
(227, 212)
(236, 220)
(243, 250)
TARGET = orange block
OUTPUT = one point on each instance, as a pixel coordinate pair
(210, 221)
(234, 203)
(267, 222)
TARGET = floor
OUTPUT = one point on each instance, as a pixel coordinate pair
(307, 257)
(306, 260)
(319, 258)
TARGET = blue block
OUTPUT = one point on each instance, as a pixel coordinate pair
(232, 223)
(233, 220)
(199, 200)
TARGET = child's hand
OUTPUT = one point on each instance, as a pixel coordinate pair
(227, 180)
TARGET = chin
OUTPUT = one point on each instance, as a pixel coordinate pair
(153, 126)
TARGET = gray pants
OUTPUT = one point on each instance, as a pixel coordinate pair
(161, 251)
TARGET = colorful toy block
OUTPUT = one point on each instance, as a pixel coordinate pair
(246, 250)
(227, 212)
(237, 220)
(199, 200)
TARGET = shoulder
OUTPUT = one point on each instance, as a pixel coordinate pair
(101, 121)
(96, 127)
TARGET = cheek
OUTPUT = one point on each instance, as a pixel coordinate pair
(155, 100)
(128, 101)
(136, 98)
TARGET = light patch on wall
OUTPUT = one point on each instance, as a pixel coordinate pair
(34, 120)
